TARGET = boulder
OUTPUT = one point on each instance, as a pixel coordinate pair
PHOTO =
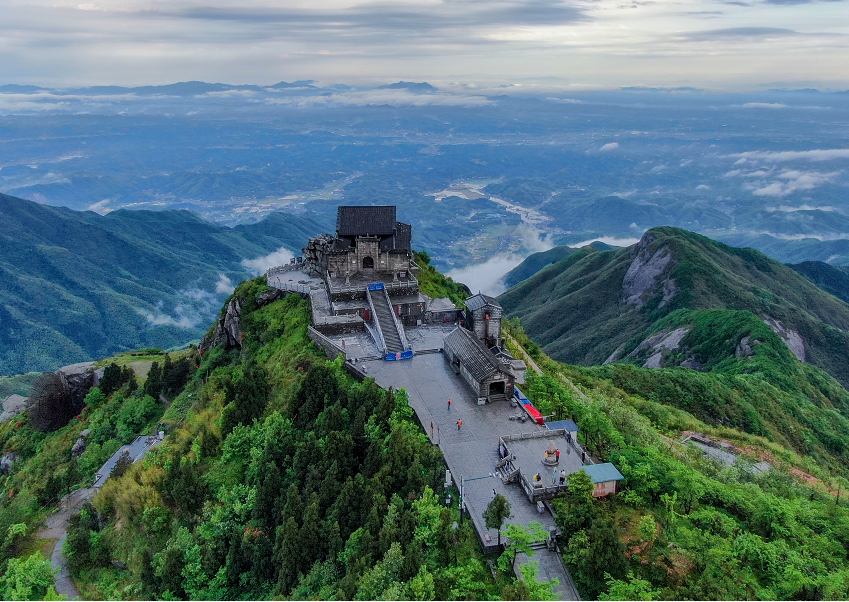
(79, 447)
(12, 406)
(7, 460)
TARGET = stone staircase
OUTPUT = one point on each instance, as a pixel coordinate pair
(383, 316)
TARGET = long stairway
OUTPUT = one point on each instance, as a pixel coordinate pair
(384, 318)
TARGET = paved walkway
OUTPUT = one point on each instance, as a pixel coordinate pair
(472, 451)
(56, 527)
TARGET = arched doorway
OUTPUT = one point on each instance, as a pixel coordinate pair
(368, 263)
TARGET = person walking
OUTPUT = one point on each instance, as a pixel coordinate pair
(449, 405)
(459, 424)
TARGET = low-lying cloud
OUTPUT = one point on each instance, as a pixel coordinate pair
(395, 98)
(259, 265)
(180, 321)
(224, 286)
(794, 180)
(808, 155)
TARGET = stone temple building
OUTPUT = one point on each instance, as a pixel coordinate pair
(476, 352)
(370, 248)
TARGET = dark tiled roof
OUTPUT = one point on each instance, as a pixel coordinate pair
(472, 353)
(475, 302)
(362, 221)
(403, 237)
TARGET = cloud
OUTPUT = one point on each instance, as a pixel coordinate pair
(608, 240)
(571, 101)
(100, 207)
(487, 277)
(808, 155)
(739, 33)
(609, 147)
(161, 319)
(732, 173)
(763, 105)
(260, 264)
(228, 94)
(793, 181)
(702, 187)
(793, 209)
(398, 97)
(224, 285)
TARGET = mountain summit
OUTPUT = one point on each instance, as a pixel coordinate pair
(596, 306)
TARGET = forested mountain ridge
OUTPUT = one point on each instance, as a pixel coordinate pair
(282, 476)
(75, 286)
(594, 306)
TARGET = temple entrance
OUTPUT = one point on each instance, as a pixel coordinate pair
(368, 263)
(497, 388)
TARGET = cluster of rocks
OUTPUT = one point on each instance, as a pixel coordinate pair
(227, 332)
(315, 252)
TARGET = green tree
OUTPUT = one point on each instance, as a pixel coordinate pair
(497, 511)
(112, 379)
(520, 538)
(122, 465)
(630, 588)
(153, 384)
(28, 578)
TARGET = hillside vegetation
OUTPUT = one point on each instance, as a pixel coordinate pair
(284, 477)
(76, 286)
(687, 526)
(587, 307)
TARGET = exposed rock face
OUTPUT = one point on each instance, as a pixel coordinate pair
(227, 332)
(744, 348)
(645, 271)
(7, 461)
(692, 363)
(315, 254)
(792, 339)
(269, 296)
(665, 340)
(12, 406)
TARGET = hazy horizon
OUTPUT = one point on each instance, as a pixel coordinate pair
(575, 44)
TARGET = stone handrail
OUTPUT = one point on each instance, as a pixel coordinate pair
(325, 343)
(382, 341)
(401, 334)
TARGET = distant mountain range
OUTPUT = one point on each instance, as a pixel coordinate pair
(593, 307)
(75, 286)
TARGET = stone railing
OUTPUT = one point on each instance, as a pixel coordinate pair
(401, 334)
(331, 349)
(382, 342)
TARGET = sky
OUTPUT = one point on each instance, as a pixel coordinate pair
(734, 45)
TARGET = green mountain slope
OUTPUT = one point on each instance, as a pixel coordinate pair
(283, 477)
(832, 279)
(536, 261)
(591, 306)
(78, 285)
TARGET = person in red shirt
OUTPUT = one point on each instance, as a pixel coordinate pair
(459, 424)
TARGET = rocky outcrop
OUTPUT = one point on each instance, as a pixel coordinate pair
(7, 460)
(645, 272)
(80, 444)
(791, 338)
(270, 296)
(227, 332)
(12, 406)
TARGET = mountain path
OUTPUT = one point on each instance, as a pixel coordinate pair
(56, 527)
